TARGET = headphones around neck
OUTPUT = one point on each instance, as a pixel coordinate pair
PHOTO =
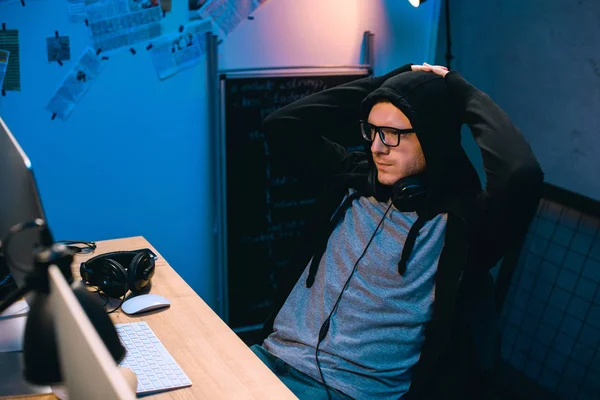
(118, 272)
(408, 194)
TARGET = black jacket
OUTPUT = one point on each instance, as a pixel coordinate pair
(460, 346)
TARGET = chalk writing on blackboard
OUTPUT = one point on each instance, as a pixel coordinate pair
(283, 180)
(267, 210)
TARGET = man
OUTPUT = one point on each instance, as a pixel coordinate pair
(388, 294)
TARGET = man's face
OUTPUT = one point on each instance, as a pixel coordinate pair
(395, 163)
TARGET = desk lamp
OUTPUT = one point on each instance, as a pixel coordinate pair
(42, 365)
(416, 3)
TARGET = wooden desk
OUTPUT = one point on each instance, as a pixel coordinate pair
(217, 362)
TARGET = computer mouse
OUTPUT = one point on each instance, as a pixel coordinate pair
(144, 303)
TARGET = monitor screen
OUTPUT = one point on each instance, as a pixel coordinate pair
(19, 202)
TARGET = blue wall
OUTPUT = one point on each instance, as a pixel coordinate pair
(538, 60)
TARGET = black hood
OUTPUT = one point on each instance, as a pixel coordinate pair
(425, 99)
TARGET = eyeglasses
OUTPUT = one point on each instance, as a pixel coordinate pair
(388, 135)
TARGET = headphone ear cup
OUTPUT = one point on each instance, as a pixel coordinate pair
(138, 278)
(89, 274)
(408, 193)
(114, 279)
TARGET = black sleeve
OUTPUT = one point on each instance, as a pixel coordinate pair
(296, 134)
(514, 177)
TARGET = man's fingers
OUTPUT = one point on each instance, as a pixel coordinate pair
(435, 66)
(436, 69)
(421, 68)
(440, 71)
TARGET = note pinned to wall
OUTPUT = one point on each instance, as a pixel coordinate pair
(75, 85)
(77, 10)
(9, 41)
(166, 5)
(58, 48)
(176, 52)
(194, 7)
(117, 24)
(4, 55)
(228, 14)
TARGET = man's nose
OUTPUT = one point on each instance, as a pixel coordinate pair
(377, 145)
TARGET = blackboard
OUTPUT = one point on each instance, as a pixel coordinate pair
(266, 210)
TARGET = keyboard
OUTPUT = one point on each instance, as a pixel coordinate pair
(155, 368)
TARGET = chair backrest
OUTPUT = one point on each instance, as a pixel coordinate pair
(551, 193)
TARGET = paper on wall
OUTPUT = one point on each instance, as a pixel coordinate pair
(58, 48)
(117, 24)
(194, 7)
(227, 14)
(166, 5)
(176, 52)
(76, 83)
(77, 11)
(9, 41)
(3, 65)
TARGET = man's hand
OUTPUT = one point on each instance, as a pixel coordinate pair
(436, 69)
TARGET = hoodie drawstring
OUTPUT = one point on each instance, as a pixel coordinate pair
(409, 243)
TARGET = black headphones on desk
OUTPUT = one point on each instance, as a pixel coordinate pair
(117, 272)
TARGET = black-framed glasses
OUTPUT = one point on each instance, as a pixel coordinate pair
(388, 135)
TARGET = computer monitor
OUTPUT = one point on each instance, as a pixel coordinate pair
(87, 367)
(19, 202)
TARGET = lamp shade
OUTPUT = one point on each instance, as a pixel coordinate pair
(42, 364)
(416, 3)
